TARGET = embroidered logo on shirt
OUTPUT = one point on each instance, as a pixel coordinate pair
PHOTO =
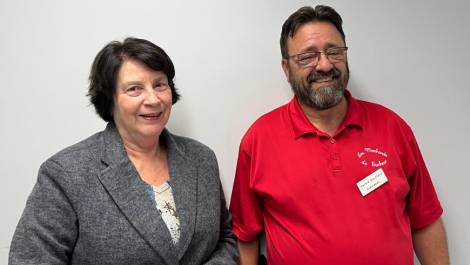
(373, 157)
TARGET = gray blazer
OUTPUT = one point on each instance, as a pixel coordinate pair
(89, 206)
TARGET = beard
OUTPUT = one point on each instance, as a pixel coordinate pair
(324, 97)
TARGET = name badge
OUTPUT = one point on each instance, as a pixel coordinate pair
(372, 182)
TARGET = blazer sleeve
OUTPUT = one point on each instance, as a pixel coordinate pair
(226, 252)
(47, 230)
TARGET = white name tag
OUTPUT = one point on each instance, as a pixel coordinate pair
(372, 182)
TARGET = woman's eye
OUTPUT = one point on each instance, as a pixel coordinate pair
(161, 86)
(133, 91)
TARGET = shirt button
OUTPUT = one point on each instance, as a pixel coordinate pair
(332, 141)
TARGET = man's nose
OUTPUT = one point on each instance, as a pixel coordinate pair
(324, 63)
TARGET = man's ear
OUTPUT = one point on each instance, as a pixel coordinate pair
(285, 67)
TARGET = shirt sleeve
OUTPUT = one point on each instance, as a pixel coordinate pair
(423, 206)
(247, 219)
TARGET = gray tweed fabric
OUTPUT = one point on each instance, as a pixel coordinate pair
(89, 206)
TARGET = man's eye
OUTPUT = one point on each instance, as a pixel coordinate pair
(306, 57)
(334, 52)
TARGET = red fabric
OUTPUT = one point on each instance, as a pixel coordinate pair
(299, 185)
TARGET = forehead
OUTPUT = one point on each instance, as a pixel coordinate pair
(318, 35)
(135, 71)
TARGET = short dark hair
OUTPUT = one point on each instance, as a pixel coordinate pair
(105, 68)
(306, 15)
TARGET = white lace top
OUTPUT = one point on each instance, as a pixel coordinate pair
(167, 208)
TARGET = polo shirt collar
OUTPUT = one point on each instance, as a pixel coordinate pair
(302, 126)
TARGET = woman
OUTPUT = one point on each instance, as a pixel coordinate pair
(133, 193)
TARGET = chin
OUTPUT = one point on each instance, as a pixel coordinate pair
(152, 132)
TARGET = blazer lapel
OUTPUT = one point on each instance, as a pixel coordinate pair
(130, 194)
(183, 181)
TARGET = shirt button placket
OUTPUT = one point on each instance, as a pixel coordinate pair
(334, 155)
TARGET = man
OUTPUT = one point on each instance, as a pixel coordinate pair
(329, 178)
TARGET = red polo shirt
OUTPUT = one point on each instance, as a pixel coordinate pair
(299, 185)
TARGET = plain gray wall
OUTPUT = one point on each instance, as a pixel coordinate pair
(411, 56)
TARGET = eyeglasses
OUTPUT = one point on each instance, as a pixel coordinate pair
(309, 59)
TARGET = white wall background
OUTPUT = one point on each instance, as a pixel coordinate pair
(412, 56)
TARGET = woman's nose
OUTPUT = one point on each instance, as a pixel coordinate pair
(151, 96)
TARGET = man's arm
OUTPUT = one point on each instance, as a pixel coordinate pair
(249, 252)
(430, 244)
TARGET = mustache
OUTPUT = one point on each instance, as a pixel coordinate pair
(314, 75)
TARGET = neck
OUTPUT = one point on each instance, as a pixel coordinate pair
(141, 147)
(143, 152)
(150, 162)
(327, 120)
(148, 156)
